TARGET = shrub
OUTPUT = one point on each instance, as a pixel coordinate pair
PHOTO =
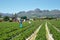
(1, 20)
(6, 18)
(10, 21)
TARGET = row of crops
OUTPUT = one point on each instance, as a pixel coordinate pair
(27, 32)
(54, 32)
(12, 31)
(42, 32)
(55, 23)
(7, 27)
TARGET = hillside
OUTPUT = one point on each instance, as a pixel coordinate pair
(36, 13)
(40, 13)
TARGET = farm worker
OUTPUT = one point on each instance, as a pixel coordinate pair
(21, 23)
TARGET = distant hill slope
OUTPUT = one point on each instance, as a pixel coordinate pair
(6, 14)
(40, 13)
(36, 13)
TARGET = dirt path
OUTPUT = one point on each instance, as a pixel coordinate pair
(54, 27)
(48, 35)
(33, 36)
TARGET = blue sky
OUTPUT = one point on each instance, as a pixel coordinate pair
(14, 6)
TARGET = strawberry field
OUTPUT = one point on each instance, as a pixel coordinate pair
(12, 30)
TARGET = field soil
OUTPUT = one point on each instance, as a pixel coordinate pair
(33, 36)
(48, 35)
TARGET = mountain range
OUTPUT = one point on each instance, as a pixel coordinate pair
(36, 13)
(40, 13)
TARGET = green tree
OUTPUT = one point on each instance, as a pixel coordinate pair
(6, 18)
(0, 15)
